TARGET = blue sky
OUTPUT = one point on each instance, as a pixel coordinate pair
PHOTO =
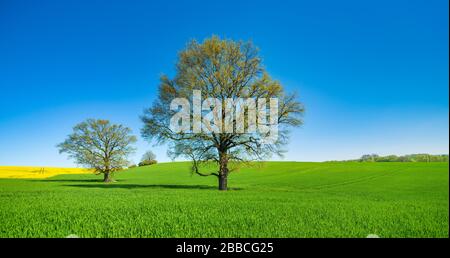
(373, 75)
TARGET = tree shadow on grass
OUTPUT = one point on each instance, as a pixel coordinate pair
(136, 186)
(72, 180)
(100, 180)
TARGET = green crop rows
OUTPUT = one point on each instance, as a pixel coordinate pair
(274, 199)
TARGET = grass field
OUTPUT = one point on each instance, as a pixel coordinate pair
(279, 199)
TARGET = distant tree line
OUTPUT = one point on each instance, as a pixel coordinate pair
(405, 158)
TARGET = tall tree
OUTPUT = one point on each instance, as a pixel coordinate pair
(99, 145)
(221, 69)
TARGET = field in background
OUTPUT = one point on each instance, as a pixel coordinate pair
(278, 199)
(37, 172)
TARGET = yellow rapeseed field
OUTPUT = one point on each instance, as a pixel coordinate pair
(38, 172)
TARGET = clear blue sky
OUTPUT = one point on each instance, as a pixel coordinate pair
(373, 75)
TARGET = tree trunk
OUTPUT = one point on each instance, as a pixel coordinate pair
(223, 171)
(107, 177)
(223, 181)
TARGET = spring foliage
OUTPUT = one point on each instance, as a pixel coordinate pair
(99, 145)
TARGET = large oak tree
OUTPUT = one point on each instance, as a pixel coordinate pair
(221, 69)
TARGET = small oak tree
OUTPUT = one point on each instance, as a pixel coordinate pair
(149, 158)
(148, 155)
(99, 145)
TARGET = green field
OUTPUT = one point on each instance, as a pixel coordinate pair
(277, 199)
